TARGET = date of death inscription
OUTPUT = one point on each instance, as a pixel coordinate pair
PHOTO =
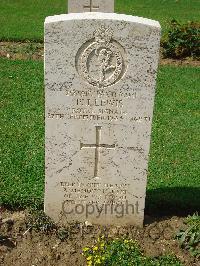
(97, 106)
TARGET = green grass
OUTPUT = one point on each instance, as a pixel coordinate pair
(23, 19)
(22, 133)
(174, 168)
(162, 10)
(174, 163)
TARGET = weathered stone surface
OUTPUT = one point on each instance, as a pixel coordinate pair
(79, 6)
(100, 72)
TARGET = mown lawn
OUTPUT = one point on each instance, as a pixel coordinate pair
(22, 133)
(23, 19)
(174, 163)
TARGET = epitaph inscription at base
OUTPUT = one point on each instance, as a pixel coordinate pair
(100, 72)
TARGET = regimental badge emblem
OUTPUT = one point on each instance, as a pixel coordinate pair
(101, 61)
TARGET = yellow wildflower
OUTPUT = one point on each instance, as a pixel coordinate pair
(85, 249)
(89, 258)
(98, 261)
(89, 263)
(102, 245)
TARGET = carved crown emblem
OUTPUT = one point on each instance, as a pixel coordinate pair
(103, 35)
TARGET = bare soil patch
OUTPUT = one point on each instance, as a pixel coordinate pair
(19, 245)
(180, 62)
(22, 50)
(35, 51)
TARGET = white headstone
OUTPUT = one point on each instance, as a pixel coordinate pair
(100, 72)
(79, 6)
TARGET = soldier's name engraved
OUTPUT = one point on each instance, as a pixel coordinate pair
(99, 102)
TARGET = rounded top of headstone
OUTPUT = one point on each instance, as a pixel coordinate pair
(102, 16)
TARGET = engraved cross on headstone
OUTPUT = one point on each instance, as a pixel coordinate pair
(98, 146)
(79, 6)
(91, 7)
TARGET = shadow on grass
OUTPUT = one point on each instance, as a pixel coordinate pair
(160, 203)
(178, 201)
